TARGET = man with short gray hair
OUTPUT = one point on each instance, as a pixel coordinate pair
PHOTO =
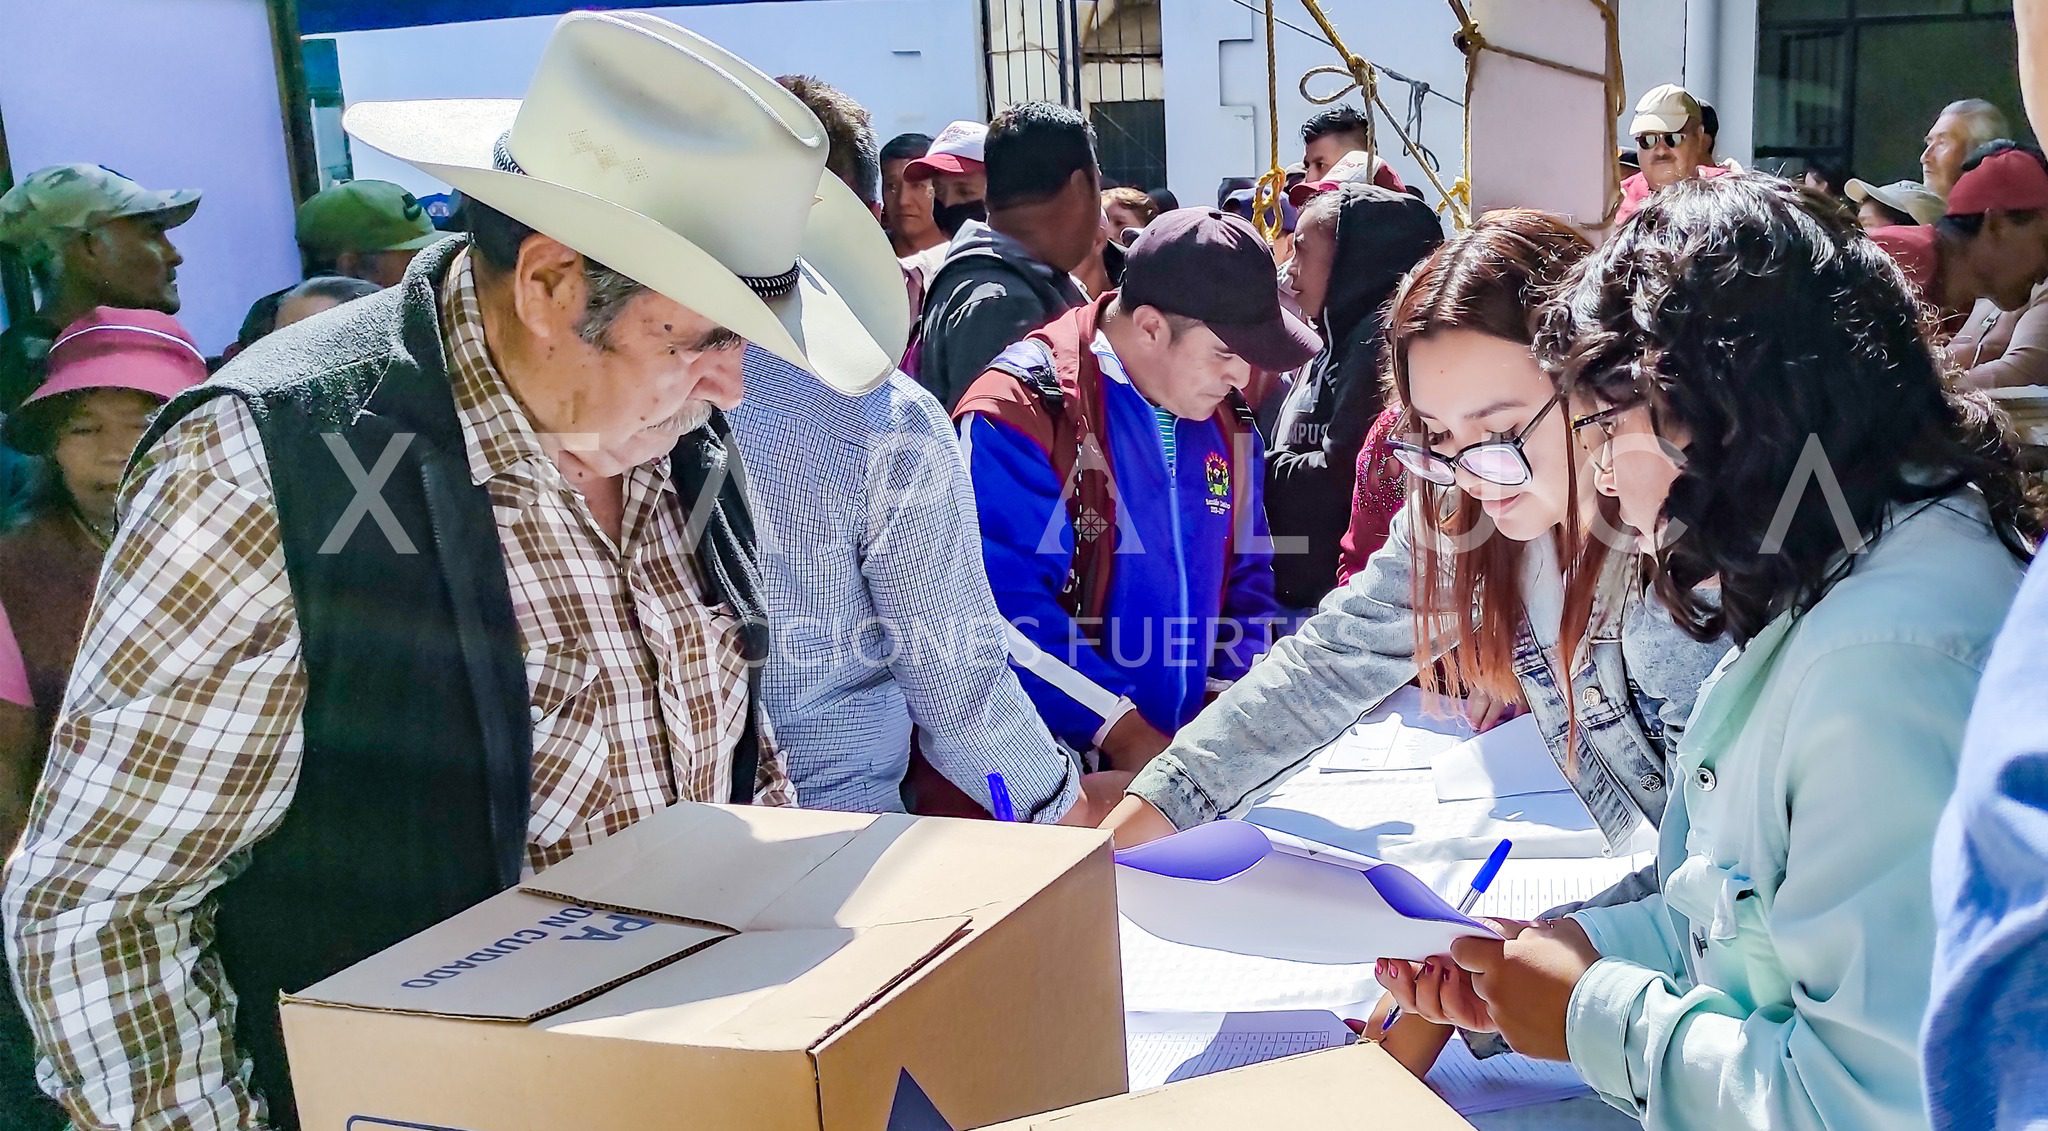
(1956, 133)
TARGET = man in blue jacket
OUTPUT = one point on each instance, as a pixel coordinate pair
(1118, 481)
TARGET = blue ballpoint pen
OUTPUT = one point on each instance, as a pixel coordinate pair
(1000, 806)
(1480, 882)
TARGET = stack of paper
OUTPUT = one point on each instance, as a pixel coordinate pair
(1406, 732)
(1511, 760)
(1168, 1047)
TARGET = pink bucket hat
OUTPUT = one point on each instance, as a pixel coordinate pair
(144, 350)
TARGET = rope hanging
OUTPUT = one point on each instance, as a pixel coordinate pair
(1266, 213)
(1361, 75)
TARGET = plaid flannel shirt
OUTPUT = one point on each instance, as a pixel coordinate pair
(181, 736)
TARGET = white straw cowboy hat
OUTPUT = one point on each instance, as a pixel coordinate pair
(676, 163)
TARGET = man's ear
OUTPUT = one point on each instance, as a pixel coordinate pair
(1152, 326)
(548, 288)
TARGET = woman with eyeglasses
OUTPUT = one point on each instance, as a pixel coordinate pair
(1773, 419)
(1487, 566)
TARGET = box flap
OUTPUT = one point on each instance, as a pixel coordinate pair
(904, 868)
(1333, 1088)
(514, 957)
(763, 989)
(713, 864)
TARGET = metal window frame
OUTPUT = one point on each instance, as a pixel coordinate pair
(1851, 25)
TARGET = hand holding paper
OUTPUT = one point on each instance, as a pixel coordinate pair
(1227, 886)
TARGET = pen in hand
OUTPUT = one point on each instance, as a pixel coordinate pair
(1480, 882)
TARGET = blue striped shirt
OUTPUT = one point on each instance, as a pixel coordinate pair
(882, 620)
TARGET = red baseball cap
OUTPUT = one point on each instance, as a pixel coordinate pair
(957, 149)
(1211, 266)
(1357, 165)
(142, 350)
(2011, 180)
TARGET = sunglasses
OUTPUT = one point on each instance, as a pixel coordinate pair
(1499, 462)
(1653, 141)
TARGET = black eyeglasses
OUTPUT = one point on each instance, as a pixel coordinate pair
(1499, 462)
(1603, 455)
(1649, 141)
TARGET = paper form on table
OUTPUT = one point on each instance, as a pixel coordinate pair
(1400, 820)
(1403, 733)
(1508, 761)
(1501, 1082)
(1167, 1047)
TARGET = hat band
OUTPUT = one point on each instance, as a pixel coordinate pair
(766, 287)
(175, 340)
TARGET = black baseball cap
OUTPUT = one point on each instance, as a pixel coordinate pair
(1211, 266)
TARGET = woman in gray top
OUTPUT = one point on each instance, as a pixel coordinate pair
(1493, 455)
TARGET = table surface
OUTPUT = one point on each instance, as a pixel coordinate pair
(1171, 976)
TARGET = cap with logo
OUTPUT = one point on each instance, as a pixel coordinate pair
(1667, 109)
(1211, 266)
(78, 198)
(363, 217)
(2011, 180)
(1355, 167)
(1914, 199)
(957, 149)
(143, 350)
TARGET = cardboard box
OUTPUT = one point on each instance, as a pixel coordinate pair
(739, 968)
(1358, 1086)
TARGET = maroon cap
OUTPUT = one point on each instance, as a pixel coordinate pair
(2010, 181)
(1211, 266)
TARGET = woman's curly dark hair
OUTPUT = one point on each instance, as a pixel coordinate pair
(1753, 315)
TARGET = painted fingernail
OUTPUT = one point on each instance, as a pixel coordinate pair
(1424, 972)
(1380, 968)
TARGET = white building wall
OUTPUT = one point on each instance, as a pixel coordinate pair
(175, 95)
(915, 64)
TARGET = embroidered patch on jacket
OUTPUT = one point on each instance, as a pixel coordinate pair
(1218, 470)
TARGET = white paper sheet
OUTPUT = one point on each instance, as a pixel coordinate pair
(1403, 733)
(1396, 817)
(1167, 1047)
(1163, 975)
(1500, 1082)
(1508, 761)
(1289, 906)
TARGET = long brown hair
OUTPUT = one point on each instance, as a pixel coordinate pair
(1488, 279)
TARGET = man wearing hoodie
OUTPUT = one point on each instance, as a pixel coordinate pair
(1008, 277)
(1352, 246)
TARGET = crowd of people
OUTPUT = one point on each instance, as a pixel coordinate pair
(936, 459)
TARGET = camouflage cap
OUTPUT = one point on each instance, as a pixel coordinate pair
(364, 216)
(78, 198)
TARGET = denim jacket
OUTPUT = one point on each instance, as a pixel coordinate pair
(1634, 691)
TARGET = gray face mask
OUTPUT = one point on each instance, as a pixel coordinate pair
(952, 217)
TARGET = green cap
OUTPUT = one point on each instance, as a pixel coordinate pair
(364, 216)
(78, 198)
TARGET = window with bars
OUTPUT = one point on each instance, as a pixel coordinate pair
(1854, 84)
(1102, 57)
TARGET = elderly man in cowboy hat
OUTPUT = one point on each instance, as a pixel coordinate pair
(436, 589)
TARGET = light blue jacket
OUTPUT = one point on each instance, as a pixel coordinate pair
(1779, 977)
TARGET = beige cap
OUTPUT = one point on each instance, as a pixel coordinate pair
(1667, 109)
(1923, 204)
